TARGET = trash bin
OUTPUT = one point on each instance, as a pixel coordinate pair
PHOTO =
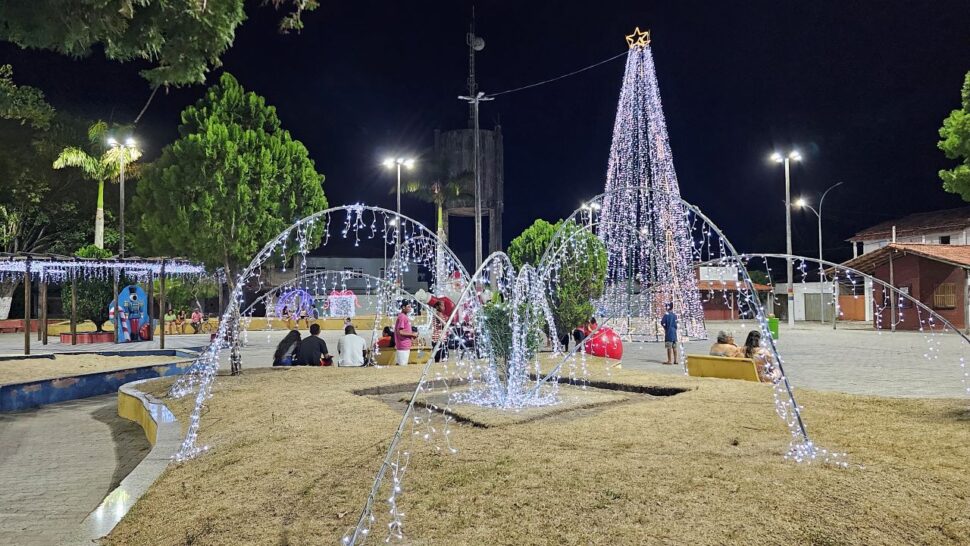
(773, 327)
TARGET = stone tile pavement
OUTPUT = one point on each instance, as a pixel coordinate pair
(850, 360)
(57, 463)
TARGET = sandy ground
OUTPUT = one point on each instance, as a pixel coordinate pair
(294, 452)
(35, 369)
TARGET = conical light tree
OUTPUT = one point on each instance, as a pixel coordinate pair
(98, 168)
(643, 222)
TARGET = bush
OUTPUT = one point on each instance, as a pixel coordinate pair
(93, 295)
(581, 274)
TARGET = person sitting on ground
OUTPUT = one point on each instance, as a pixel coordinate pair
(387, 338)
(348, 322)
(196, 320)
(762, 357)
(725, 346)
(180, 321)
(170, 321)
(313, 350)
(285, 352)
(350, 348)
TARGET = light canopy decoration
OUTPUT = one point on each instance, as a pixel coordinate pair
(650, 266)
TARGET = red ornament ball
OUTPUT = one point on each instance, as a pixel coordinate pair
(606, 343)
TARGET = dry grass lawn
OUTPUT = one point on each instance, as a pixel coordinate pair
(36, 369)
(294, 452)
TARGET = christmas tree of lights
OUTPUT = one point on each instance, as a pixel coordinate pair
(643, 221)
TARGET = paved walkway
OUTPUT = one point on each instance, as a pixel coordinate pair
(13, 345)
(58, 462)
(855, 361)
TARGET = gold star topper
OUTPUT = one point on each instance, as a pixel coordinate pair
(638, 38)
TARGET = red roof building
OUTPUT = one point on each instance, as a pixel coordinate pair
(937, 275)
(946, 227)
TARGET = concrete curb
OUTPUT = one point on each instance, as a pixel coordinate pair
(165, 434)
(31, 394)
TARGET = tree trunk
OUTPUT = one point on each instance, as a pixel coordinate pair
(99, 217)
(7, 289)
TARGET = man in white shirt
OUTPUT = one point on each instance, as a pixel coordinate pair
(350, 348)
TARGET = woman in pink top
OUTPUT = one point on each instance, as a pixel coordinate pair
(403, 334)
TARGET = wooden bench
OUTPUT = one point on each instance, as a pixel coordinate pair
(722, 367)
(387, 356)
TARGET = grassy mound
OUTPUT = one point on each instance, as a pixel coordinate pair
(294, 452)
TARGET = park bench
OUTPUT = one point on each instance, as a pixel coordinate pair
(723, 367)
(387, 357)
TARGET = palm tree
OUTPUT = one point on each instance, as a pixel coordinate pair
(99, 168)
(442, 190)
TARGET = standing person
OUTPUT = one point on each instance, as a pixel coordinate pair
(350, 348)
(313, 350)
(438, 320)
(287, 349)
(403, 334)
(196, 320)
(669, 323)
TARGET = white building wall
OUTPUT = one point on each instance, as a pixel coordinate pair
(800, 289)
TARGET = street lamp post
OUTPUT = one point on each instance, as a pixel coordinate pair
(391, 163)
(802, 203)
(127, 147)
(778, 158)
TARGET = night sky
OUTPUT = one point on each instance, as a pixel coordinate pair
(859, 88)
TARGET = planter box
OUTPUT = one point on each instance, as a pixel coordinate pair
(90, 337)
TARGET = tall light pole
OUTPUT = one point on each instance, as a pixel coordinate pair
(390, 163)
(474, 100)
(128, 147)
(778, 158)
(802, 203)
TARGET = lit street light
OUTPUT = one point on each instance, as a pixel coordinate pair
(126, 148)
(802, 203)
(390, 163)
(778, 158)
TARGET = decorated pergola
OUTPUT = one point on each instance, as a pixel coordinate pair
(47, 269)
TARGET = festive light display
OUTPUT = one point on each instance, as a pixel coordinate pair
(56, 269)
(655, 242)
(361, 224)
(650, 265)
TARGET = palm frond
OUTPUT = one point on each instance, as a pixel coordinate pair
(76, 157)
(97, 134)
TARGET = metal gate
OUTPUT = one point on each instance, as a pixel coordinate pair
(816, 304)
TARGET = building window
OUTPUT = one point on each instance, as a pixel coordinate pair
(945, 296)
(944, 239)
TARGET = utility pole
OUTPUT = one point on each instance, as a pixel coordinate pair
(475, 43)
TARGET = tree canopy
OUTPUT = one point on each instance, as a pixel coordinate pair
(38, 206)
(581, 277)
(232, 181)
(955, 143)
(183, 39)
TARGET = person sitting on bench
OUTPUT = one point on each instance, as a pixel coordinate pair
(762, 357)
(725, 346)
